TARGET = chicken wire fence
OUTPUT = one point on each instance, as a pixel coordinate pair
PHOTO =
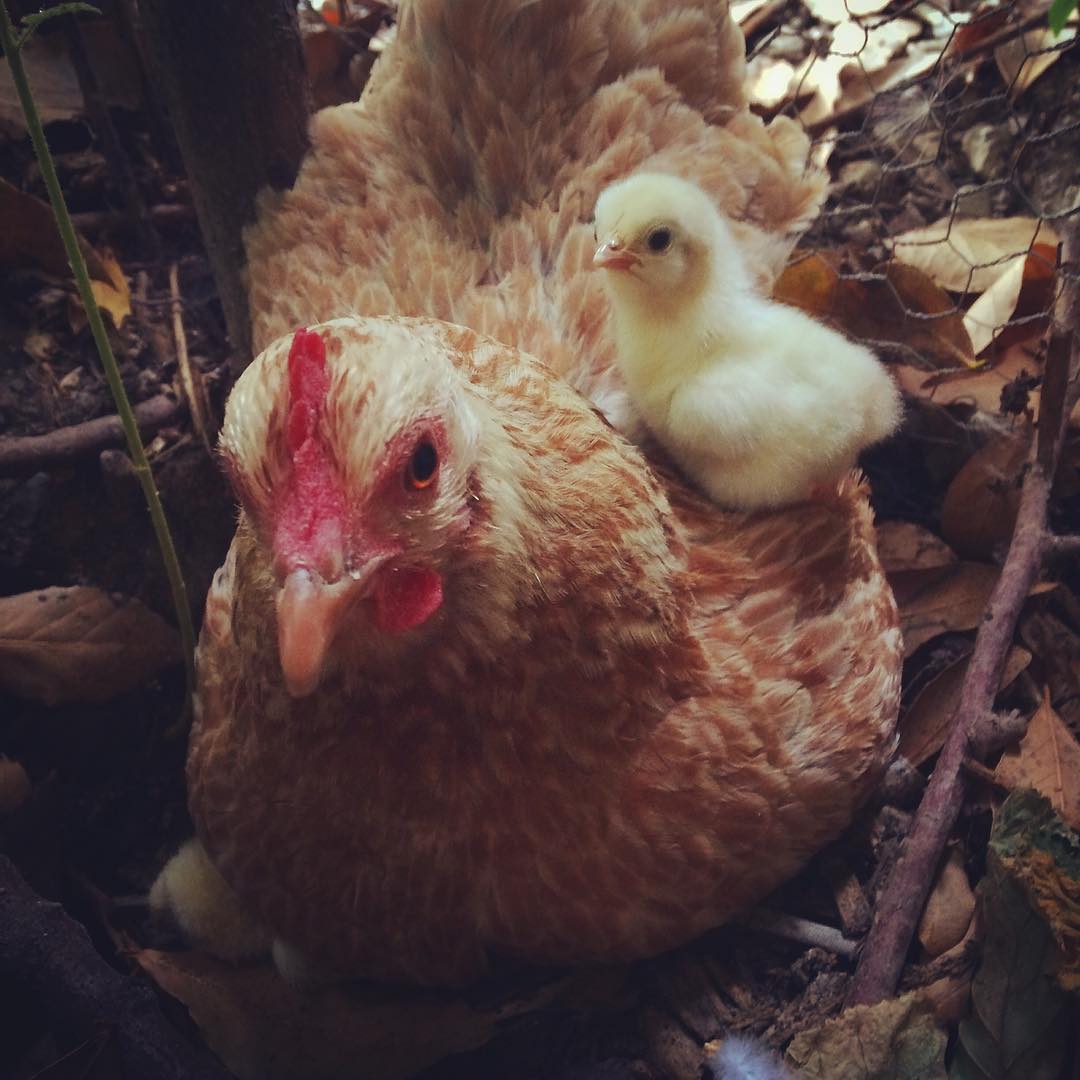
(952, 139)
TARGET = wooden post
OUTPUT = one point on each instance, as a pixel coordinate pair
(234, 80)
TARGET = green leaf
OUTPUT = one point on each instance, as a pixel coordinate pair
(1060, 10)
(1016, 1024)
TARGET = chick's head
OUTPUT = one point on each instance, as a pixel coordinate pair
(661, 240)
(351, 448)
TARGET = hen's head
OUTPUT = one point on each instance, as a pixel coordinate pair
(662, 242)
(352, 448)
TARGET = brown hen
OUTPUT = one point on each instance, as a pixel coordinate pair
(477, 677)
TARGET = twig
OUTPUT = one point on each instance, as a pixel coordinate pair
(20, 455)
(101, 340)
(49, 956)
(190, 381)
(163, 214)
(904, 894)
(794, 928)
(1062, 546)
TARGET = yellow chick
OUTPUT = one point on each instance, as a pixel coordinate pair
(757, 402)
(210, 914)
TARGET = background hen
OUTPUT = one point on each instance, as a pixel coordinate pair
(671, 692)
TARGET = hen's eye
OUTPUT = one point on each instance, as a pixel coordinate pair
(659, 240)
(422, 467)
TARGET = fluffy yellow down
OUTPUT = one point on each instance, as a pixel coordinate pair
(758, 403)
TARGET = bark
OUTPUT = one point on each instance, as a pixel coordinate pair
(234, 80)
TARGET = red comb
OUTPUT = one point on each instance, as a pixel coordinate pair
(312, 509)
(308, 383)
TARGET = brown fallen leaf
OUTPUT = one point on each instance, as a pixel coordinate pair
(933, 602)
(1057, 645)
(967, 255)
(898, 306)
(14, 786)
(896, 1039)
(979, 509)
(926, 722)
(1026, 58)
(1040, 852)
(261, 1027)
(80, 644)
(949, 909)
(56, 86)
(28, 236)
(1048, 760)
(903, 545)
(980, 389)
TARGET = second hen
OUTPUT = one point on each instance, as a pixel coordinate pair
(477, 677)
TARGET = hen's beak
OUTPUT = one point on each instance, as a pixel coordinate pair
(611, 255)
(309, 611)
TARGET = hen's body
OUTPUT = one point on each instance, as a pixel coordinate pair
(626, 721)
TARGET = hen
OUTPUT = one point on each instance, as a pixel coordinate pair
(759, 404)
(477, 678)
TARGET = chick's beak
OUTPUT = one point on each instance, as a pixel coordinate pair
(309, 612)
(611, 255)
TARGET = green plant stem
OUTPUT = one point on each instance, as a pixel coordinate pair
(101, 340)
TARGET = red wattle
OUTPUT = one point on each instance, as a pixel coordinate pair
(406, 597)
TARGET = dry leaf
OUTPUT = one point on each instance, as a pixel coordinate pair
(1025, 58)
(14, 786)
(949, 909)
(80, 644)
(261, 1027)
(769, 81)
(1040, 852)
(932, 603)
(979, 510)
(56, 86)
(839, 11)
(28, 235)
(114, 294)
(1016, 1028)
(1048, 760)
(981, 389)
(926, 722)
(859, 64)
(903, 545)
(970, 254)
(891, 309)
(896, 1039)
(995, 307)
(741, 10)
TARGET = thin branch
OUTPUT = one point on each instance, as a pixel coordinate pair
(21, 455)
(50, 957)
(904, 895)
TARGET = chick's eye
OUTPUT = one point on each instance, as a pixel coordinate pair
(659, 239)
(422, 467)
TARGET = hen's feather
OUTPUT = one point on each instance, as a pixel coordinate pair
(462, 185)
(632, 714)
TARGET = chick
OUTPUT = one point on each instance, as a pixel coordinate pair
(210, 914)
(757, 402)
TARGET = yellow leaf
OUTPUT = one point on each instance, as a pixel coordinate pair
(113, 296)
